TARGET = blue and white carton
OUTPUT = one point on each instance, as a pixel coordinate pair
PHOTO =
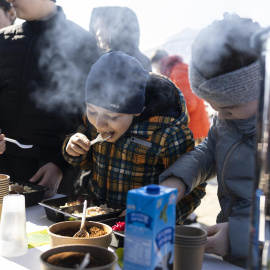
(150, 226)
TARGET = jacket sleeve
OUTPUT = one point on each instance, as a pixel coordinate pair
(173, 150)
(197, 166)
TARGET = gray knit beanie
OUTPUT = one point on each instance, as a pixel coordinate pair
(236, 87)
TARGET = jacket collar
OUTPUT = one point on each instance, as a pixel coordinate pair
(43, 25)
(245, 126)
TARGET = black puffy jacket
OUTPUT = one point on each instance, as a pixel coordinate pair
(43, 69)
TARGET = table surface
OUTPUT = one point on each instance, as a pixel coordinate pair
(36, 220)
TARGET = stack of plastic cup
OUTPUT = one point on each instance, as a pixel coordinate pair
(189, 248)
(4, 185)
(13, 239)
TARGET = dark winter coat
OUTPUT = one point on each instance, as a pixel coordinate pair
(43, 69)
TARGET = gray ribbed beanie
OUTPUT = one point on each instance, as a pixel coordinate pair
(236, 87)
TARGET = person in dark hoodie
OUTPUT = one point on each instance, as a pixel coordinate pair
(117, 29)
(43, 61)
(143, 118)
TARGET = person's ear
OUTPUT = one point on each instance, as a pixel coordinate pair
(137, 114)
(12, 15)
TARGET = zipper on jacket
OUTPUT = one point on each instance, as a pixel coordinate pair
(226, 215)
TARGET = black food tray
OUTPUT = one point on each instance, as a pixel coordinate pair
(31, 198)
(118, 236)
(54, 213)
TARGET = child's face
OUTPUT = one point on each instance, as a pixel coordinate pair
(106, 121)
(242, 111)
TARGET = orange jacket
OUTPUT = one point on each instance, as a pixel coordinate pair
(174, 68)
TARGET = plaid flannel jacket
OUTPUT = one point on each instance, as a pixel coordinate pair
(137, 159)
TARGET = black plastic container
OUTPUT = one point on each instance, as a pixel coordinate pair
(57, 214)
(32, 198)
(118, 236)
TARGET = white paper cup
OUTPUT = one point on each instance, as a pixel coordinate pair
(189, 248)
(4, 186)
(0, 210)
(13, 239)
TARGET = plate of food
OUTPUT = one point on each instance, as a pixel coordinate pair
(33, 193)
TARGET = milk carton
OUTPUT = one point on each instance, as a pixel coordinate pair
(150, 225)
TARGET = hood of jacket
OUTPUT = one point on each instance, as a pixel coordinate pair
(164, 104)
(168, 62)
(122, 24)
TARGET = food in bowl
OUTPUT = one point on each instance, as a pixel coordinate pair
(107, 258)
(57, 240)
(92, 230)
(72, 260)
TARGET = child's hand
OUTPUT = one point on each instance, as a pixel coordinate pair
(78, 145)
(2, 144)
(218, 239)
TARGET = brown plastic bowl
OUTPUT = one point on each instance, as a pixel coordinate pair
(109, 258)
(58, 240)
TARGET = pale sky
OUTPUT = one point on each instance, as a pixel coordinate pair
(160, 19)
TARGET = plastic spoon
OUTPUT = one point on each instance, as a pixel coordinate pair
(25, 146)
(85, 261)
(99, 138)
(82, 232)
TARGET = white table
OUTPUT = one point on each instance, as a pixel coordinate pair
(36, 220)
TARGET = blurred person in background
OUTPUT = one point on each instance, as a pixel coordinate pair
(174, 68)
(225, 71)
(7, 15)
(117, 29)
(44, 64)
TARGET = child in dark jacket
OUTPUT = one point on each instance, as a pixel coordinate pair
(144, 120)
(225, 72)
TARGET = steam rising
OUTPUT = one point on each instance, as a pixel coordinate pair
(65, 58)
(224, 46)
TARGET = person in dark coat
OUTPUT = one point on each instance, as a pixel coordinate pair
(117, 29)
(44, 64)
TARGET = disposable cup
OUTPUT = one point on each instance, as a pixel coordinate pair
(189, 248)
(4, 186)
(13, 239)
(1, 205)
